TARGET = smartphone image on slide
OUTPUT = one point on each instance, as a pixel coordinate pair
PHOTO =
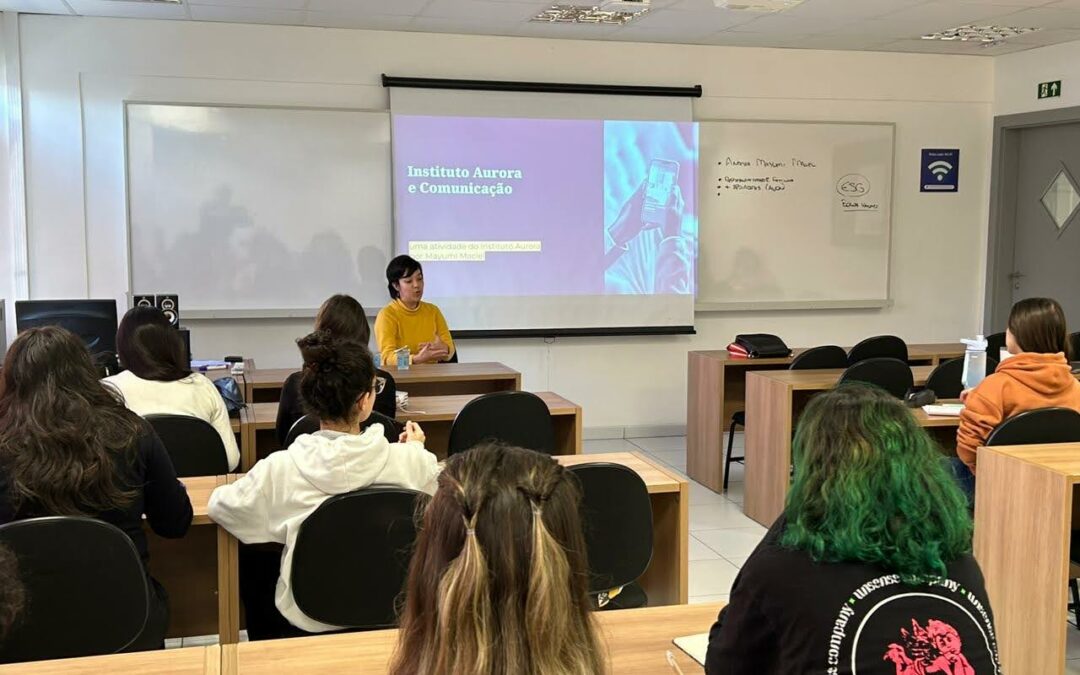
(659, 186)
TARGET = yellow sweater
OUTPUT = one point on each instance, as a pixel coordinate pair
(398, 326)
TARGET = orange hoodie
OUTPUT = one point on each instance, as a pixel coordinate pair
(1024, 382)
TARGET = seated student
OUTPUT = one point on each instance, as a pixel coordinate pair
(341, 316)
(498, 578)
(408, 321)
(1038, 375)
(870, 562)
(272, 500)
(69, 447)
(157, 380)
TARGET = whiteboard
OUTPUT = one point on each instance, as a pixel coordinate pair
(794, 214)
(249, 211)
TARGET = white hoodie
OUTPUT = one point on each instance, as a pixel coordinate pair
(272, 500)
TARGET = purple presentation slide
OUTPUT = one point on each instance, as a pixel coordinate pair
(546, 207)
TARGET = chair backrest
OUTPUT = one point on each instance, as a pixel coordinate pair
(945, 380)
(816, 358)
(1045, 425)
(1074, 347)
(617, 519)
(351, 557)
(86, 589)
(308, 424)
(892, 375)
(879, 347)
(193, 444)
(518, 418)
(995, 343)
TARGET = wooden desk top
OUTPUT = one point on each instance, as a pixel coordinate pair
(189, 661)
(813, 380)
(273, 378)
(1060, 458)
(925, 420)
(637, 641)
(199, 489)
(446, 408)
(657, 478)
(915, 351)
(263, 415)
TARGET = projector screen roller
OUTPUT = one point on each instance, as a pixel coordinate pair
(534, 224)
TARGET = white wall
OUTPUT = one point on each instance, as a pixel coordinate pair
(77, 72)
(1017, 77)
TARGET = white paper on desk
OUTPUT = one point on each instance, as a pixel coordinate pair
(694, 645)
(944, 409)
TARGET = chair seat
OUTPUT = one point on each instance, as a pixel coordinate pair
(632, 596)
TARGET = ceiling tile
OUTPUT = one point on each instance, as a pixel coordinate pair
(128, 10)
(733, 39)
(936, 47)
(942, 14)
(567, 31)
(696, 22)
(357, 20)
(481, 10)
(1047, 37)
(841, 42)
(253, 4)
(779, 24)
(286, 17)
(34, 6)
(1039, 18)
(375, 7)
(431, 24)
(846, 9)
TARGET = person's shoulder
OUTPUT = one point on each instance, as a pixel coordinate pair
(121, 379)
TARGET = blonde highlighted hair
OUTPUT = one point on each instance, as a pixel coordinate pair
(498, 582)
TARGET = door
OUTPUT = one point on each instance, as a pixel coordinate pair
(1046, 251)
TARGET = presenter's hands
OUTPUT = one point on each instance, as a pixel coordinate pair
(673, 222)
(433, 351)
(413, 432)
(628, 224)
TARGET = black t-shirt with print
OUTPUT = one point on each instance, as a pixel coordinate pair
(789, 614)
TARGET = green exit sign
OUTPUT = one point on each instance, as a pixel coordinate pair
(1050, 89)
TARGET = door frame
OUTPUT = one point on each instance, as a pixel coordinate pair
(1001, 239)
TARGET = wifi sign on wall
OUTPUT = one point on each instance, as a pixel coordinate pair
(940, 170)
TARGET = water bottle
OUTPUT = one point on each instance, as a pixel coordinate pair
(402, 358)
(974, 362)
(376, 357)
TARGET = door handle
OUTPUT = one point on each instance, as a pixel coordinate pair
(1016, 275)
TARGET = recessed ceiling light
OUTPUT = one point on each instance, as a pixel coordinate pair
(767, 6)
(619, 13)
(985, 34)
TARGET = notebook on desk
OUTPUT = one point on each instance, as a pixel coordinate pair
(694, 645)
(944, 409)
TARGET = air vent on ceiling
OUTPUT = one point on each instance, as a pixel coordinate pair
(764, 6)
(618, 12)
(985, 34)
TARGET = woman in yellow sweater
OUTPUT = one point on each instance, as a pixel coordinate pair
(409, 322)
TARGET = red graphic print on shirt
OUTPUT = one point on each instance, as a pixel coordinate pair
(934, 649)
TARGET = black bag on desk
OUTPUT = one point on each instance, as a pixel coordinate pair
(762, 346)
(231, 394)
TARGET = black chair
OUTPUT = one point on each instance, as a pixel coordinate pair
(892, 375)
(994, 344)
(453, 357)
(352, 557)
(944, 380)
(879, 347)
(1045, 425)
(617, 520)
(1074, 347)
(308, 424)
(194, 445)
(815, 358)
(518, 418)
(386, 402)
(86, 589)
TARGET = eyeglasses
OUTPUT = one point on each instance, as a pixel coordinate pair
(380, 385)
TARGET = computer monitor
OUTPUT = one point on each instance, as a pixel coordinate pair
(92, 320)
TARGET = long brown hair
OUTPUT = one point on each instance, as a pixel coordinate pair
(1038, 324)
(63, 433)
(149, 347)
(498, 582)
(343, 317)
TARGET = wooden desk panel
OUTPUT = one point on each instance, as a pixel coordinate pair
(189, 661)
(636, 640)
(426, 379)
(1024, 504)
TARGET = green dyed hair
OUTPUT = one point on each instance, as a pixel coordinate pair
(871, 487)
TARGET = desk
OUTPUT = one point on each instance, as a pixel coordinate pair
(774, 401)
(716, 389)
(199, 570)
(1025, 503)
(434, 413)
(189, 661)
(426, 379)
(637, 641)
(666, 581)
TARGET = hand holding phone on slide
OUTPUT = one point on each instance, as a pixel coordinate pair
(657, 203)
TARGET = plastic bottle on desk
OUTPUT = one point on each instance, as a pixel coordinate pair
(402, 356)
(974, 362)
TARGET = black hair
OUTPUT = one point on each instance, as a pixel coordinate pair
(336, 373)
(399, 268)
(150, 347)
(343, 316)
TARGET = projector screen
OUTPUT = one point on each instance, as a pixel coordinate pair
(535, 223)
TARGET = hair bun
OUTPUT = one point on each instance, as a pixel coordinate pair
(319, 351)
